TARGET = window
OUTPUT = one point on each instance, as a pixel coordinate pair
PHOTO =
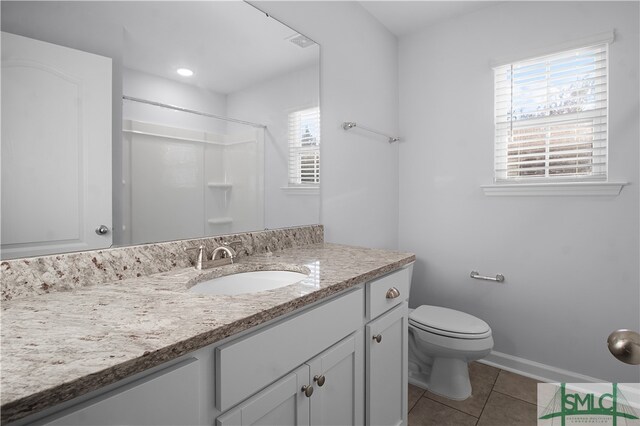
(551, 117)
(304, 147)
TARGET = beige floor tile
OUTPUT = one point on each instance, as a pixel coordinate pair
(414, 395)
(517, 386)
(482, 379)
(483, 372)
(503, 410)
(431, 413)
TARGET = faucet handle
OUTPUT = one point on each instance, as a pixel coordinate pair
(200, 257)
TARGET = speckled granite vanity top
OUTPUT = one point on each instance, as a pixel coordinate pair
(60, 345)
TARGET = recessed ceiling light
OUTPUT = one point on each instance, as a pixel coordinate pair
(185, 72)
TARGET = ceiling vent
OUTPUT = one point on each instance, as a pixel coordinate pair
(300, 40)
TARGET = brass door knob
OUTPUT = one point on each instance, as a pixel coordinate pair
(319, 379)
(308, 390)
(378, 338)
(392, 293)
(625, 345)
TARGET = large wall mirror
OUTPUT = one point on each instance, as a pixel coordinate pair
(136, 122)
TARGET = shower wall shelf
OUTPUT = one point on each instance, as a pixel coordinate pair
(220, 221)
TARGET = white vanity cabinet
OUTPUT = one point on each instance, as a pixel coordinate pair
(387, 366)
(338, 362)
(386, 336)
(169, 396)
(327, 390)
(283, 403)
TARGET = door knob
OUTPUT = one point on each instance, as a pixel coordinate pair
(625, 345)
(102, 229)
(378, 338)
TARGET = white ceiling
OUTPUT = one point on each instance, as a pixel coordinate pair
(405, 17)
(229, 45)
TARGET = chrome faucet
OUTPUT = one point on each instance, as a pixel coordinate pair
(227, 256)
(223, 255)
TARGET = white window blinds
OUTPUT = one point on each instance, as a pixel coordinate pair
(304, 147)
(551, 117)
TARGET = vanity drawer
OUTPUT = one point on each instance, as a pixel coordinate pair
(381, 295)
(246, 365)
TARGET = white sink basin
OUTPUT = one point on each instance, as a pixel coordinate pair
(247, 282)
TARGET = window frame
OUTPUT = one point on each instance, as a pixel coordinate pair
(556, 187)
(538, 154)
(297, 149)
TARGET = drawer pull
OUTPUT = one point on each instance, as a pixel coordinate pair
(319, 379)
(378, 338)
(392, 293)
(308, 390)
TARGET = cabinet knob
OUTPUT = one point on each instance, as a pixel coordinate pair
(319, 379)
(378, 338)
(102, 230)
(308, 390)
(392, 293)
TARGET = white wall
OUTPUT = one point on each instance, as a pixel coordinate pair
(571, 264)
(270, 103)
(358, 82)
(151, 87)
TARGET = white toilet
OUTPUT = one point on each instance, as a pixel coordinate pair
(442, 342)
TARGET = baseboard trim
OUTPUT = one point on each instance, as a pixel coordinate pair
(535, 370)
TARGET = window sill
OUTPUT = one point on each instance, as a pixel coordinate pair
(553, 189)
(301, 190)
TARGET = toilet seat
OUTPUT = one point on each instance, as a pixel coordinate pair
(448, 322)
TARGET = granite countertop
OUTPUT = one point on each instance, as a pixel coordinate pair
(61, 345)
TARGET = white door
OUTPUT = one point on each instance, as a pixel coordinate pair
(56, 148)
(338, 383)
(387, 368)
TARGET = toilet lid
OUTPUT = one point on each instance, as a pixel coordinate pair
(448, 322)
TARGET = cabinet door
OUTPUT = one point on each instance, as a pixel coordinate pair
(338, 383)
(168, 397)
(386, 402)
(281, 404)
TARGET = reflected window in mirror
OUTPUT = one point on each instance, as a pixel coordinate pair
(304, 147)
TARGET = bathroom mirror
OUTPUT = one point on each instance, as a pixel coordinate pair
(137, 122)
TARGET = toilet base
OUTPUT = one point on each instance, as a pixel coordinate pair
(450, 378)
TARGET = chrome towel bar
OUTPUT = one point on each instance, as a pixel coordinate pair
(351, 124)
(477, 276)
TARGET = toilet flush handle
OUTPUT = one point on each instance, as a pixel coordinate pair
(392, 293)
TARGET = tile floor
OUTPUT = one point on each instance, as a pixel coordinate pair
(499, 398)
